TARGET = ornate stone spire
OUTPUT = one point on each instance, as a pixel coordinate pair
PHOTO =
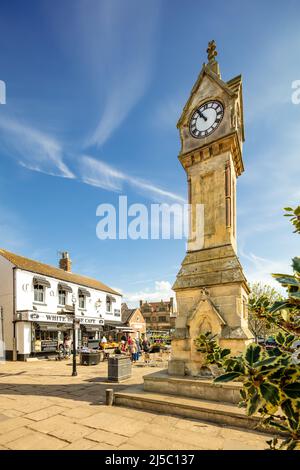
(211, 51)
(211, 56)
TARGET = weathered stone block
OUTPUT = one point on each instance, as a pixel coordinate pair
(176, 368)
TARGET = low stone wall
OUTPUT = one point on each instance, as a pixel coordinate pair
(161, 382)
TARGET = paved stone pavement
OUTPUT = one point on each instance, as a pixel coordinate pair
(43, 407)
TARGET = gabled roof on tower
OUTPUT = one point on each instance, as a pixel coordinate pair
(204, 71)
(211, 69)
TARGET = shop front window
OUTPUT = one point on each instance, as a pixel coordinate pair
(39, 293)
(62, 297)
(81, 302)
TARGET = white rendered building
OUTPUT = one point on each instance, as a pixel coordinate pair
(38, 302)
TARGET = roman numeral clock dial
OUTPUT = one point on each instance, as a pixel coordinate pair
(206, 119)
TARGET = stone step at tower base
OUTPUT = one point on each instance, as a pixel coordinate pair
(190, 398)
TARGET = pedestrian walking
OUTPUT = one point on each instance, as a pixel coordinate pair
(146, 349)
(133, 351)
(67, 346)
(138, 349)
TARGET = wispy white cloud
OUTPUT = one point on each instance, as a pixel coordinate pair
(155, 190)
(39, 152)
(162, 290)
(97, 173)
(119, 38)
(33, 149)
(259, 269)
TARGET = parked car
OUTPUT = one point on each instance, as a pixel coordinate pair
(260, 340)
(270, 343)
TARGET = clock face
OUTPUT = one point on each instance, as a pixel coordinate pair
(206, 119)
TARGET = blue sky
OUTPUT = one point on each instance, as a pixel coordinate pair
(94, 92)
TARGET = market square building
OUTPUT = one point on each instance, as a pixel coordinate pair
(38, 304)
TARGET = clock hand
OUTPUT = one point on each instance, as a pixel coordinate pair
(201, 115)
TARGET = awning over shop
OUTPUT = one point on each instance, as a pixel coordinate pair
(113, 323)
(65, 287)
(125, 329)
(118, 327)
(93, 328)
(110, 297)
(42, 281)
(85, 292)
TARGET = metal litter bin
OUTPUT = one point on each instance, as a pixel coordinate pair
(89, 358)
(119, 368)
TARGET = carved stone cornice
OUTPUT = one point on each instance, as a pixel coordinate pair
(229, 143)
(210, 267)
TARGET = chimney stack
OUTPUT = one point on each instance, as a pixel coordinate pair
(65, 263)
(141, 303)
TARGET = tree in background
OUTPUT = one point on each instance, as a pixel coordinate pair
(261, 298)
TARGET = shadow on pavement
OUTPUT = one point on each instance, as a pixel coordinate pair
(95, 394)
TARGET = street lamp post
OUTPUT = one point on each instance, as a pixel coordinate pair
(75, 327)
(98, 305)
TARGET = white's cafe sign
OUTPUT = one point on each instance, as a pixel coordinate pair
(59, 318)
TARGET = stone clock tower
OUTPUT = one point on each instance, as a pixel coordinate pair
(211, 289)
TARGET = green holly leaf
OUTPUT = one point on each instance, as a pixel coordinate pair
(270, 393)
(294, 295)
(253, 404)
(280, 305)
(296, 264)
(289, 411)
(227, 377)
(265, 362)
(297, 210)
(292, 390)
(280, 338)
(286, 279)
(252, 354)
(225, 352)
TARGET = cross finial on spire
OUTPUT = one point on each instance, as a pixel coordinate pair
(211, 51)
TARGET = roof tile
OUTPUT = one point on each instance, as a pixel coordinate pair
(40, 268)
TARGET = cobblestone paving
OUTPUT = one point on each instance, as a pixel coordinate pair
(43, 407)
